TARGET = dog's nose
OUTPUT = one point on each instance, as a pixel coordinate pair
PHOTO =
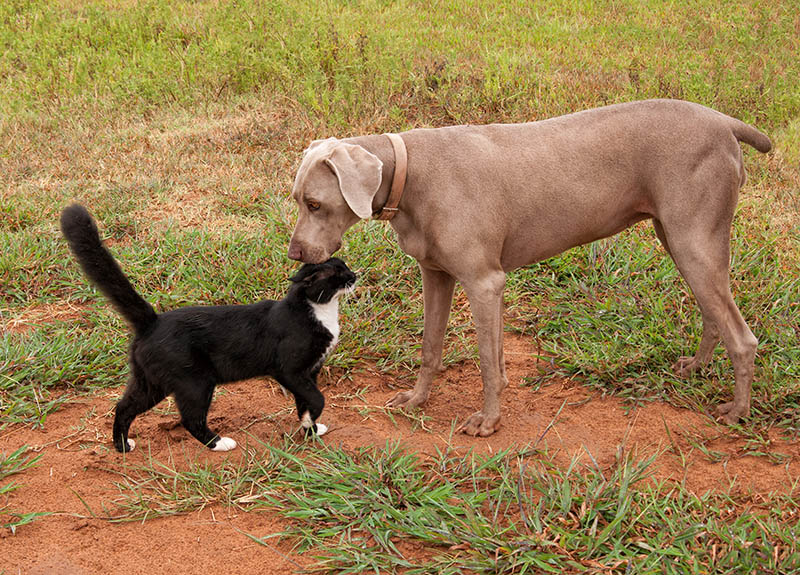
(295, 252)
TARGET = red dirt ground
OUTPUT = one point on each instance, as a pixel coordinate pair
(78, 463)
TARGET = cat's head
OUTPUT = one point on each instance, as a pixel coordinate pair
(320, 283)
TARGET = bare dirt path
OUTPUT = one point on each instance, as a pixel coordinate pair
(78, 467)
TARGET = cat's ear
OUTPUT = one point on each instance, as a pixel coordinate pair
(309, 273)
(300, 275)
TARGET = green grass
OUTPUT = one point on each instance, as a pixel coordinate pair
(371, 60)
(13, 464)
(180, 125)
(513, 512)
(228, 96)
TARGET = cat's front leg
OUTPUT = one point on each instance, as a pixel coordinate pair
(309, 401)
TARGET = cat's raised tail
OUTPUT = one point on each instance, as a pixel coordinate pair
(102, 269)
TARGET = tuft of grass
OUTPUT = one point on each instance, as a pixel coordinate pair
(512, 512)
(13, 464)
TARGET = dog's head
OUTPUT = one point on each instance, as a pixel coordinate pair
(334, 188)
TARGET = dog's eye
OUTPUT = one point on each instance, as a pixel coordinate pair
(313, 206)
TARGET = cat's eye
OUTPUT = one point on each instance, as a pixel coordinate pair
(313, 205)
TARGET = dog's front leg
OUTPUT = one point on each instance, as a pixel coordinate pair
(485, 296)
(437, 292)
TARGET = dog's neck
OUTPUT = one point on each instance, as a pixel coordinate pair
(391, 207)
(406, 222)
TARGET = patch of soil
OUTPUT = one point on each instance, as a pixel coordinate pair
(78, 467)
(39, 315)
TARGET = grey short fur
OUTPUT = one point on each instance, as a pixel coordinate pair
(481, 201)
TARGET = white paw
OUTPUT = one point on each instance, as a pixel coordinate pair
(225, 444)
(131, 444)
(306, 422)
(322, 429)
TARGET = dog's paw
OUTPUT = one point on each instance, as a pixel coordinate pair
(224, 444)
(729, 413)
(322, 429)
(686, 366)
(407, 399)
(481, 425)
(131, 444)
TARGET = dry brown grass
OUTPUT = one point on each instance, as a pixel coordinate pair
(175, 166)
(20, 321)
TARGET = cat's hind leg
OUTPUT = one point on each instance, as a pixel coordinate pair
(193, 400)
(138, 398)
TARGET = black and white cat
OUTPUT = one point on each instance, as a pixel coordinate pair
(186, 352)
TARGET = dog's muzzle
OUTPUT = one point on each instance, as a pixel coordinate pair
(295, 252)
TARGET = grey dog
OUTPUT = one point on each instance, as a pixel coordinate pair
(480, 201)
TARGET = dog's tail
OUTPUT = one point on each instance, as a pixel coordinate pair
(749, 135)
(101, 268)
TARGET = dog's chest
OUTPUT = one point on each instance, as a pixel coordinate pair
(327, 314)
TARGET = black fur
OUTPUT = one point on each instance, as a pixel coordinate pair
(188, 351)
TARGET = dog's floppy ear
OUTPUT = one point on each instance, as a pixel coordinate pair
(316, 143)
(359, 173)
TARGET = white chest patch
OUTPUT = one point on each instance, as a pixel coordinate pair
(327, 315)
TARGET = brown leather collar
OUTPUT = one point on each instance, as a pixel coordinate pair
(398, 180)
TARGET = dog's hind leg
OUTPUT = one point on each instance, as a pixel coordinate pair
(685, 366)
(138, 398)
(701, 250)
(437, 291)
